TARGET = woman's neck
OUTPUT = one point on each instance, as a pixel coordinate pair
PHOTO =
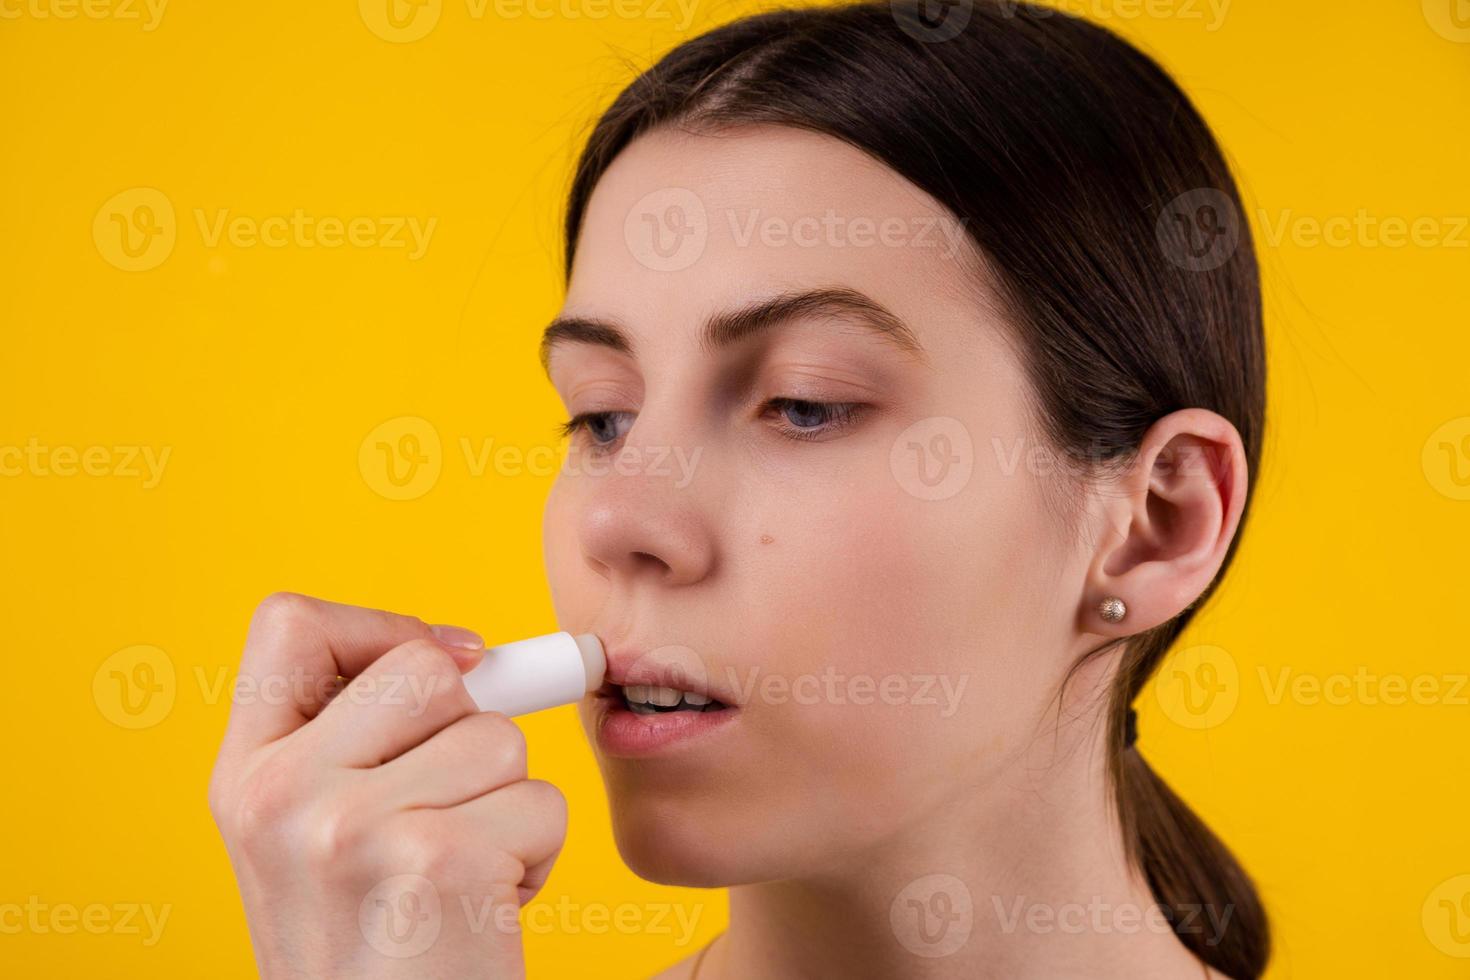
(1036, 859)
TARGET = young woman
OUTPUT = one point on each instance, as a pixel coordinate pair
(915, 376)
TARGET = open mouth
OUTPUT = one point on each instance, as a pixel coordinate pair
(675, 707)
(646, 699)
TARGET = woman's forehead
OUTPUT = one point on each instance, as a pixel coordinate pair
(692, 224)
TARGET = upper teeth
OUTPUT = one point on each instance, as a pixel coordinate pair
(664, 697)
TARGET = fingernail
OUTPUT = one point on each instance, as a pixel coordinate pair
(457, 636)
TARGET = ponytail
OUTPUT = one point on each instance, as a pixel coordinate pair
(1203, 891)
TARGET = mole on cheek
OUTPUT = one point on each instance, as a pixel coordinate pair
(766, 539)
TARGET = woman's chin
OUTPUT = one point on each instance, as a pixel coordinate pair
(672, 845)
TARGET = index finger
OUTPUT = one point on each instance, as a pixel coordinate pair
(296, 649)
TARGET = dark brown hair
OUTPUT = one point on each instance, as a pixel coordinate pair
(1109, 222)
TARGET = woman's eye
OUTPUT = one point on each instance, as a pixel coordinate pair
(603, 428)
(796, 418)
(800, 419)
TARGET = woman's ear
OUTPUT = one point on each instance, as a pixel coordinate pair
(1168, 520)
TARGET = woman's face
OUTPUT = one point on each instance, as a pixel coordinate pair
(825, 512)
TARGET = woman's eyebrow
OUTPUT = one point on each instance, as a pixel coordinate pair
(729, 327)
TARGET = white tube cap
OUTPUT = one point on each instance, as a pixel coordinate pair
(540, 672)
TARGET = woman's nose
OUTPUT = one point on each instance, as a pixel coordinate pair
(645, 526)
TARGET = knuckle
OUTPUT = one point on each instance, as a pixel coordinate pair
(217, 799)
(282, 612)
(423, 658)
(266, 799)
(432, 671)
(549, 802)
(504, 743)
(505, 867)
(333, 835)
(426, 851)
(409, 623)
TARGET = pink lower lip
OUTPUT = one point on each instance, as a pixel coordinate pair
(622, 733)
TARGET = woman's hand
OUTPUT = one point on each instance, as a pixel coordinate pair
(383, 827)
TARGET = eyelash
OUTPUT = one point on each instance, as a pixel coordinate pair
(836, 416)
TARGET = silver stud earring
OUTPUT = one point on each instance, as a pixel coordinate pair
(1112, 609)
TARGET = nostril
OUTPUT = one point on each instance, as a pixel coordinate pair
(644, 558)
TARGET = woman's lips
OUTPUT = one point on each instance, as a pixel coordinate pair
(624, 734)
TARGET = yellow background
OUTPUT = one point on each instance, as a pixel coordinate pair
(262, 370)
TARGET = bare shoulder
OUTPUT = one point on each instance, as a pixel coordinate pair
(681, 970)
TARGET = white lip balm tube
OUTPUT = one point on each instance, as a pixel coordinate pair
(542, 672)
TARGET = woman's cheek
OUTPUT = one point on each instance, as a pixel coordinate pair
(923, 603)
(843, 574)
(576, 592)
